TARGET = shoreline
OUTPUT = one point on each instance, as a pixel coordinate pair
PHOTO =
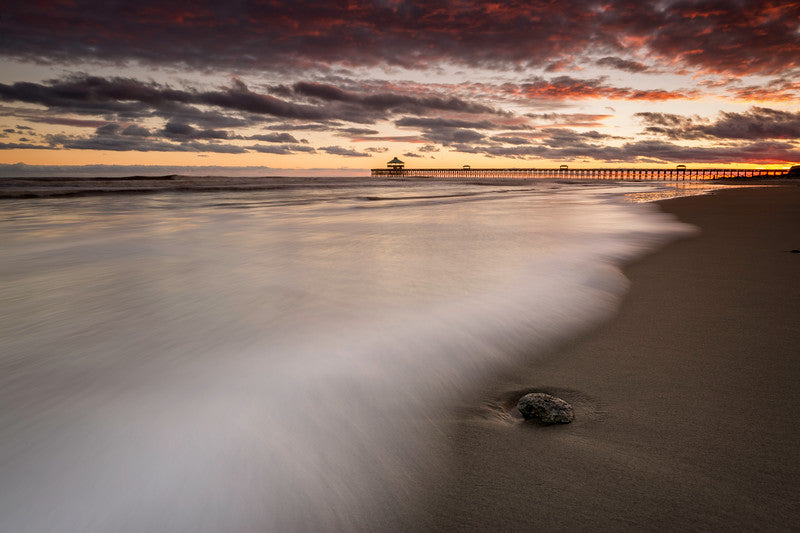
(25, 188)
(685, 401)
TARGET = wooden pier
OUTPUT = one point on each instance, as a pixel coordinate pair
(626, 174)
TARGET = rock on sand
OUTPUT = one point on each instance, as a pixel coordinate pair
(545, 408)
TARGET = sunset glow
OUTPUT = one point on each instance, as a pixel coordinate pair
(328, 88)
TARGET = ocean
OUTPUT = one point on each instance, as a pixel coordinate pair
(237, 358)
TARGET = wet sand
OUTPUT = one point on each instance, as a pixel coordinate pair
(687, 403)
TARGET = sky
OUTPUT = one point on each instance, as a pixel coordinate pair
(307, 87)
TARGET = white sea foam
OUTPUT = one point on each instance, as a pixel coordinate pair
(268, 361)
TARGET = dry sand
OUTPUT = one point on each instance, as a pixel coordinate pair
(687, 403)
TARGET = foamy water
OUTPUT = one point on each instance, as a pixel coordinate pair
(268, 361)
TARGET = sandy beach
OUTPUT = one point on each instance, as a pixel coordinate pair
(686, 402)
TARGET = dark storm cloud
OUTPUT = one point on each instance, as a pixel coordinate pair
(713, 35)
(755, 123)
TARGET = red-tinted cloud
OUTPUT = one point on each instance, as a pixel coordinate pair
(710, 36)
(569, 88)
(778, 90)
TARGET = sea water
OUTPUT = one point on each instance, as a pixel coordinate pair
(270, 360)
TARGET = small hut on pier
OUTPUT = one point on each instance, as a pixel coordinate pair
(395, 164)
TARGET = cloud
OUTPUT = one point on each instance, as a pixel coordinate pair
(130, 98)
(127, 99)
(304, 126)
(183, 132)
(510, 140)
(119, 143)
(621, 64)
(452, 136)
(753, 124)
(733, 37)
(275, 138)
(338, 150)
(65, 121)
(136, 131)
(569, 119)
(390, 138)
(395, 102)
(776, 90)
(23, 146)
(647, 151)
(357, 131)
(441, 122)
(282, 149)
(569, 88)
(739, 37)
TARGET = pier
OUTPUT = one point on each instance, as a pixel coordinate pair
(626, 174)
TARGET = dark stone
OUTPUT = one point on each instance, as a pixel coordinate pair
(545, 408)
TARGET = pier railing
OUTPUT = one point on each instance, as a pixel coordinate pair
(629, 174)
